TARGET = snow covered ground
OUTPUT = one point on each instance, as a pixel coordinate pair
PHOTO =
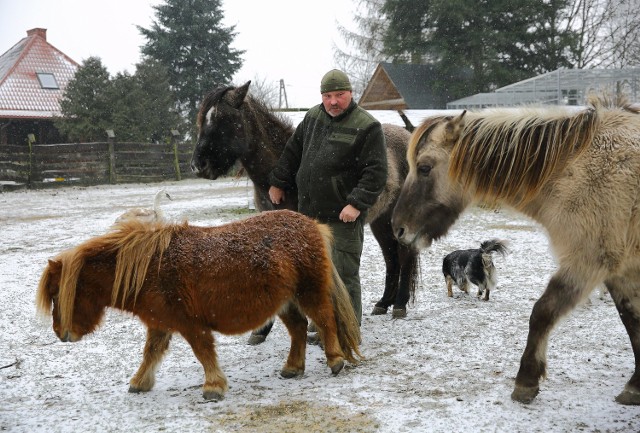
(448, 367)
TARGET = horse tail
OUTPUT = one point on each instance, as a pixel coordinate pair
(347, 324)
(413, 267)
(494, 245)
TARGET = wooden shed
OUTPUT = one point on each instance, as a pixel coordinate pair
(403, 87)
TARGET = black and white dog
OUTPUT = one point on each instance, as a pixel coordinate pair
(475, 266)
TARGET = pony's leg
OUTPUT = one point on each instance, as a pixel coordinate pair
(260, 335)
(408, 278)
(296, 324)
(558, 299)
(626, 296)
(154, 350)
(324, 319)
(202, 344)
(381, 230)
(449, 281)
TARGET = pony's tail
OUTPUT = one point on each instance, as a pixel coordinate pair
(347, 324)
(494, 245)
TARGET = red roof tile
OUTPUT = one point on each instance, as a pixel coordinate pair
(21, 95)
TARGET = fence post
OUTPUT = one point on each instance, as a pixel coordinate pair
(31, 138)
(176, 161)
(112, 155)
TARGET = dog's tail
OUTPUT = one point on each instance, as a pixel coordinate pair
(494, 245)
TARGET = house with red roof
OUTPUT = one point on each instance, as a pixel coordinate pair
(33, 77)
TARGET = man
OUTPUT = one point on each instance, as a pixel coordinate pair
(337, 159)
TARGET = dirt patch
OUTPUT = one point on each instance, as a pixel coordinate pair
(296, 417)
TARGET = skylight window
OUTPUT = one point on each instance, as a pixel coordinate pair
(47, 80)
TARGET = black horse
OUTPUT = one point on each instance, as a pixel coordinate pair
(234, 126)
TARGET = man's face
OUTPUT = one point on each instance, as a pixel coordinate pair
(336, 102)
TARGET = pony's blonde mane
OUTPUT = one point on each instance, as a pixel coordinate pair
(134, 243)
(511, 154)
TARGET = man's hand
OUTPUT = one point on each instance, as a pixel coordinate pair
(349, 214)
(276, 195)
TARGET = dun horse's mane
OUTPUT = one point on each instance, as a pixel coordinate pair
(510, 154)
(133, 242)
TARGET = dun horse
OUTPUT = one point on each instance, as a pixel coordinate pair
(236, 127)
(576, 173)
(195, 280)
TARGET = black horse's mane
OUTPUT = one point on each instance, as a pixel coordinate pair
(211, 99)
(255, 108)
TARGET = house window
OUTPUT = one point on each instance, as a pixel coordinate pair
(47, 80)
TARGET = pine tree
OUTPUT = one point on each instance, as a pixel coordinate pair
(158, 101)
(498, 42)
(189, 39)
(138, 108)
(86, 107)
(144, 106)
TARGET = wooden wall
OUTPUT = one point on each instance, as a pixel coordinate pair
(47, 165)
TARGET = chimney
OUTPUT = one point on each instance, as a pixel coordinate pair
(38, 32)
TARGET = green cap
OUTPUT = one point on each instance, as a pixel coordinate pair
(334, 80)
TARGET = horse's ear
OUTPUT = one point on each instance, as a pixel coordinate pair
(454, 127)
(235, 97)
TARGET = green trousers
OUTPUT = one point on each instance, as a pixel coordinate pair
(348, 239)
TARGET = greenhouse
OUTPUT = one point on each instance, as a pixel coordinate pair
(559, 87)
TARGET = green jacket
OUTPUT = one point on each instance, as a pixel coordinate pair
(334, 161)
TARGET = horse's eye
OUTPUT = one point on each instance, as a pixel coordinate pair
(424, 170)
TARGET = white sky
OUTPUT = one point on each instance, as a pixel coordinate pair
(283, 39)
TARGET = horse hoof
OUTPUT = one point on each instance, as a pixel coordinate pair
(337, 368)
(312, 327)
(378, 311)
(314, 339)
(290, 374)
(525, 394)
(629, 397)
(212, 396)
(134, 390)
(255, 339)
(399, 313)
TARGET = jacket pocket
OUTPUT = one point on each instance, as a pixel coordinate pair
(342, 138)
(339, 188)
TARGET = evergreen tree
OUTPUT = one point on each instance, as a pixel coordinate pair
(189, 39)
(497, 42)
(128, 118)
(86, 106)
(138, 108)
(144, 106)
(158, 101)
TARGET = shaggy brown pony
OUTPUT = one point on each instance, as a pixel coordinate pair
(195, 280)
(576, 172)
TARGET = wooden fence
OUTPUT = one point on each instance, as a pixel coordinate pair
(50, 165)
